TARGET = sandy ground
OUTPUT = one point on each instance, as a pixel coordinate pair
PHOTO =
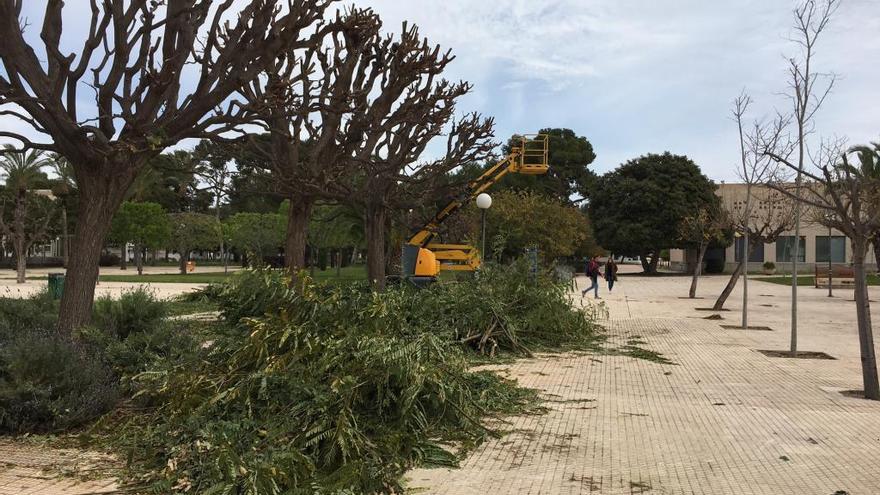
(8, 287)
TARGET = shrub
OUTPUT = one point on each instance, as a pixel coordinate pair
(769, 265)
(19, 315)
(135, 311)
(109, 259)
(50, 383)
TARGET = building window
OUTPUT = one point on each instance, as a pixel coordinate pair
(757, 255)
(785, 248)
(838, 249)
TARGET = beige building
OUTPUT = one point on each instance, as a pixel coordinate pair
(772, 211)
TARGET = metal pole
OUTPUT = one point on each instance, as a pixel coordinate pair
(745, 275)
(483, 248)
(829, 261)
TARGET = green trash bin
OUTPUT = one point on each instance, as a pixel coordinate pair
(56, 285)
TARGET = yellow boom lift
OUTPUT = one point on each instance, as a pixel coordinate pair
(423, 260)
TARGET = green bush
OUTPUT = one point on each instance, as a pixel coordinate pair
(48, 383)
(36, 311)
(135, 311)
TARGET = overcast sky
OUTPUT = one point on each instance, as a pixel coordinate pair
(633, 76)
(640, 76)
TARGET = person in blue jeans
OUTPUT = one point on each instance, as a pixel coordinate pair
(593, 273)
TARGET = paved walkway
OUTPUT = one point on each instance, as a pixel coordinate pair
(164, 290)
(30, 469)
(723, 419)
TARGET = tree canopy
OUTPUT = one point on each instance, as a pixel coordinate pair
(520, 219)
(637, 208)
(569, 177)
(258, 234)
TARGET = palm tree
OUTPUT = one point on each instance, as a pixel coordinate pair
(63, 189)
(23, 172)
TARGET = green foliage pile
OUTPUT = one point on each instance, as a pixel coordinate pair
(322, 389)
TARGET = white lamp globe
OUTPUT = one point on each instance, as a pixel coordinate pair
(484, 201)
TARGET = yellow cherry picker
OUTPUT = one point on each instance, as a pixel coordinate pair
(423, 260)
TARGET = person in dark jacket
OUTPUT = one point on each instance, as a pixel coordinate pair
(610, 272)
(593, 272)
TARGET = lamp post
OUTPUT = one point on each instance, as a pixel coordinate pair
(829, 256)
(484, 201)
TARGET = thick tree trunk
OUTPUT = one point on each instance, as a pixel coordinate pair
(863, 315)
(698, 270)
(298, 214)
(646, 265)
(184, 257)
(98, 202)
(375, 233)
(20, 263)
(139, 259)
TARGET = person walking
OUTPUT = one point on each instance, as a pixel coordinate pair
(593, 273)
(610, 272)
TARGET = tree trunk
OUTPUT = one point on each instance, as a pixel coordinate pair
(139, 259)
(20, 262)
(298, 214)
(375, 233)
(863, 314)
(65, 240)
(875, 243)
(184, 257)
(123, 259)
(99, 201)
(719, 303)
(701, 253)
(646, 264)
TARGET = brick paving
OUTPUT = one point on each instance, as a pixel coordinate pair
(29, 469)
(722, 419)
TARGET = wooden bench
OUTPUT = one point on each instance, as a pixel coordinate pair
(841, 276)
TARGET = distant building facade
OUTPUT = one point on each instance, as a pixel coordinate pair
(815, 244)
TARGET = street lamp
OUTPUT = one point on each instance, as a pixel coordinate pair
(829, 217)
(484, 201)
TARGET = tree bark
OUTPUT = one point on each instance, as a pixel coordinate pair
(65, 240)
(298, 214)
(648, 266)
(863, 314)
(719, 303)
(184, 257)
(99, 200)
(139, 258)
(375, 233)
(698, 270)
(20, 263)
(875, 243)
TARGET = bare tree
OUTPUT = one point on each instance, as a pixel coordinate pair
(702, 229)
(763, 215)
(303, 104)
(845, 195)
(139, 56)
(808, 90)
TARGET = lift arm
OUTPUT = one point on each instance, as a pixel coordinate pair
(421, 258)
